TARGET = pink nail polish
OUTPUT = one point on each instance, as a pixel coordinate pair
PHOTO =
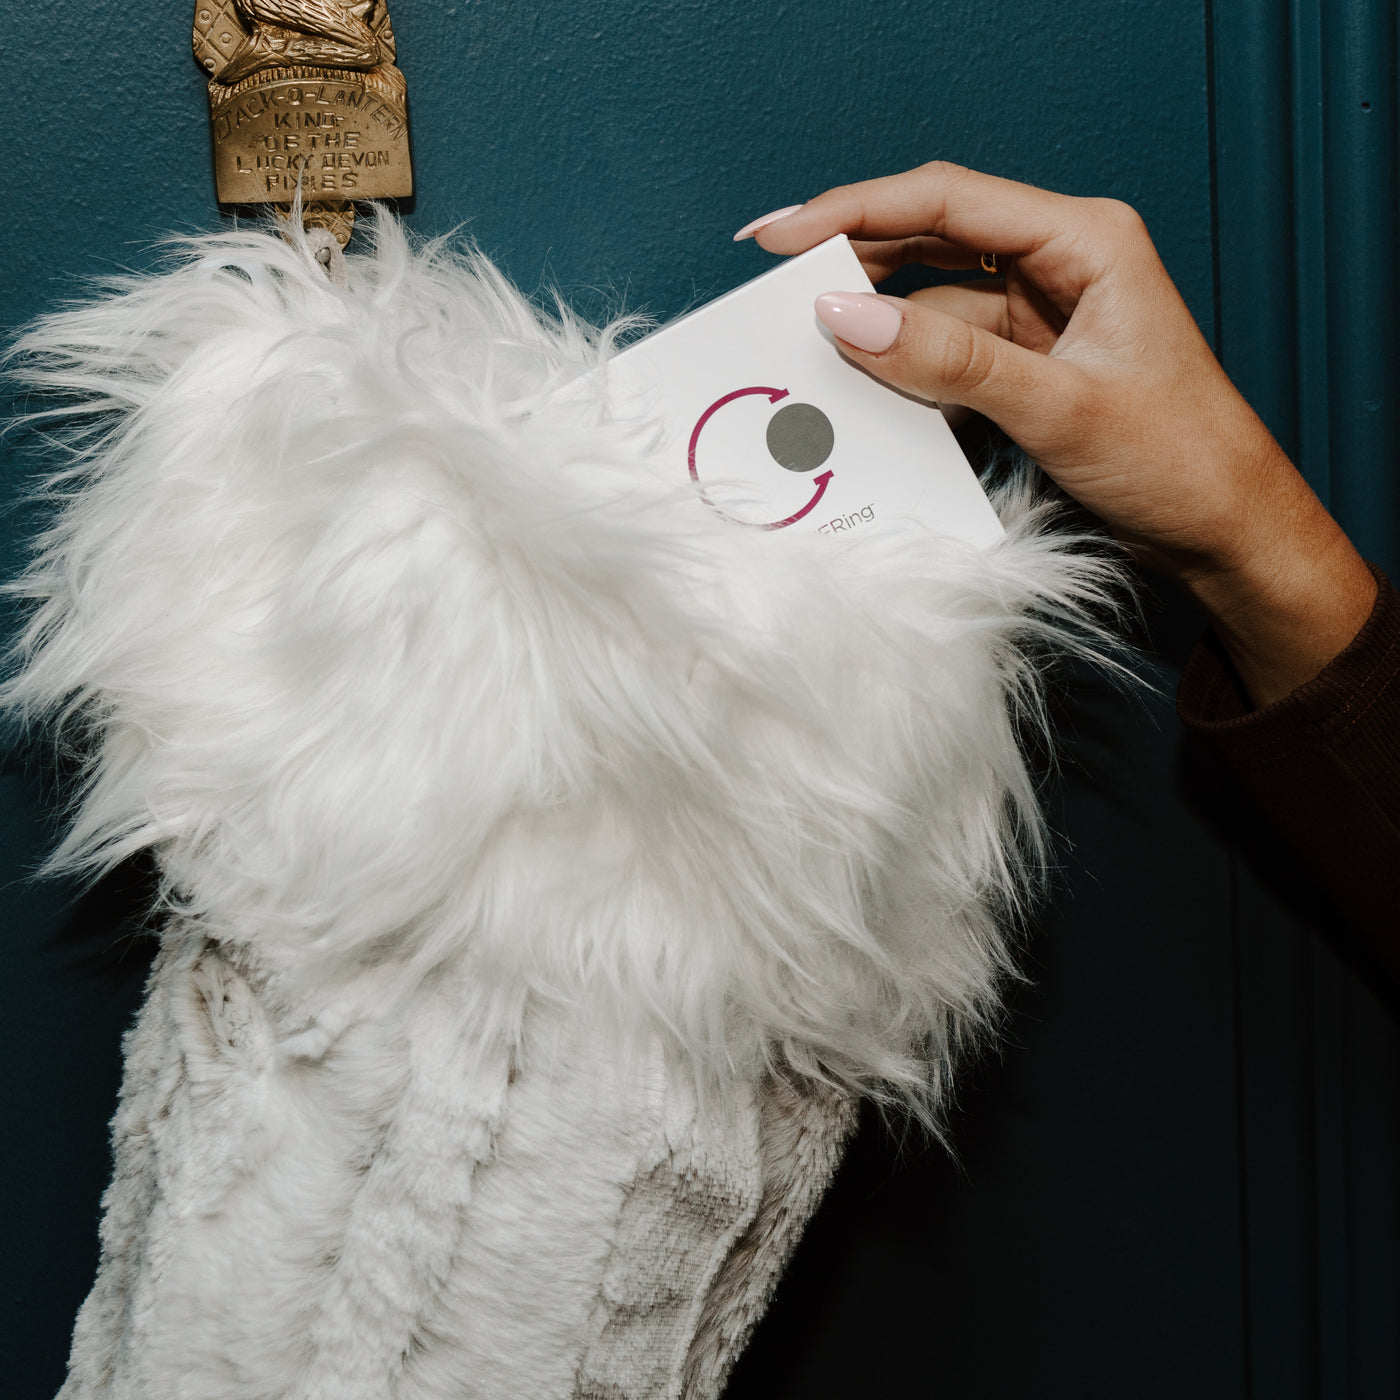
(749, 230)
(861, 319)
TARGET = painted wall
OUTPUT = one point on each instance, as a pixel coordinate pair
(1151, 1199)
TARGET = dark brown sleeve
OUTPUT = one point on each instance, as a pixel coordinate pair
(1323, 764)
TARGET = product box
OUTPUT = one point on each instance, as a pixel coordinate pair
(778, 430)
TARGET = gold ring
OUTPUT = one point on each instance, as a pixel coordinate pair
(989, 262)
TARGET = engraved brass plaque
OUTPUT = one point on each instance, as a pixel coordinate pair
(304, 94)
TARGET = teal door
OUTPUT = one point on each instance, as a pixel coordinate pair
(1182, 1177)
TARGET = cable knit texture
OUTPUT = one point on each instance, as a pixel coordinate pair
(548, 866)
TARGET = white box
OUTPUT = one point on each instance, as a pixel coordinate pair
(779, 430)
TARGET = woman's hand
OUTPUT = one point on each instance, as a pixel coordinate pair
(1086, 355)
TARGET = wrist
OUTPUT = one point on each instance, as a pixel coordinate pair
(1284, 608)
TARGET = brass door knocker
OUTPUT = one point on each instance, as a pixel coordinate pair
(307, 106)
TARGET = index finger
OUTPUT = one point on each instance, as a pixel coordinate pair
(966, 207)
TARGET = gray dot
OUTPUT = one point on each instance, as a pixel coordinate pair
(800, 437)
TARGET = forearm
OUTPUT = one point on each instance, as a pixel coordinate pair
(1288, 594)
(1322, 764)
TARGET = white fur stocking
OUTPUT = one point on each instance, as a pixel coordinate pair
(548, 866)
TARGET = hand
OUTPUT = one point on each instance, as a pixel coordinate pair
(1086, 355)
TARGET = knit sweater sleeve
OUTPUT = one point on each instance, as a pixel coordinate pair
(1322, 764)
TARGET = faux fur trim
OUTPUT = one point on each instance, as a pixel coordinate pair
(394, 645)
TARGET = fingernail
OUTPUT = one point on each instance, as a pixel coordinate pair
(749, 230)
(861, 319)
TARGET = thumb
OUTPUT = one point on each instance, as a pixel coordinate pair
(949, 360)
